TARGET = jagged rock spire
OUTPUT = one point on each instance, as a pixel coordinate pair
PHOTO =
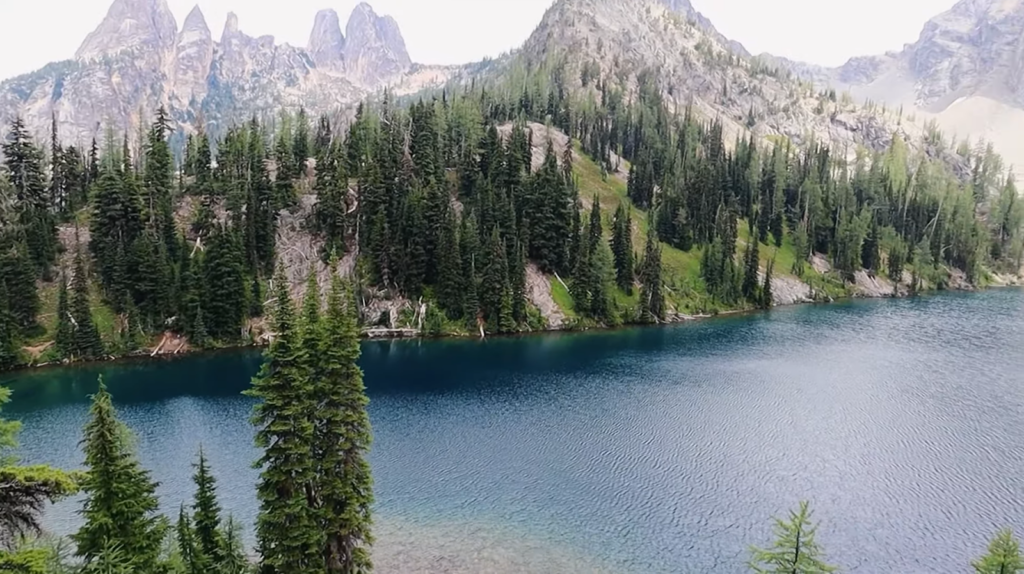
(326, 43)
(193, 56)
(147, 24)
(374, 48)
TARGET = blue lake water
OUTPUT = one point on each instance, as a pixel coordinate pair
(657, 450)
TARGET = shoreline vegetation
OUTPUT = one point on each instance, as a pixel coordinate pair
(147, 356)
(523, 204)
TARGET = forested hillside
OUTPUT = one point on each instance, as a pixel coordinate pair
(441, 207)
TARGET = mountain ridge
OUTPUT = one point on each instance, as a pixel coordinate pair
(138, 59)
(128, 66)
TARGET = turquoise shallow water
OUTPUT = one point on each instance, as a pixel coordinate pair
(645, 450)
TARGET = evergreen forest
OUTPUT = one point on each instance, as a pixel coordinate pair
(450, 212)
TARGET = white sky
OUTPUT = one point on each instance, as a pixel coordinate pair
(827, 32)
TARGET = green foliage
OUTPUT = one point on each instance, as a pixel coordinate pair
(286, 531)
(206, 525)
(342, 437)
(622, 248)
(794, 550)
(86, 342)
(652, 298)
(120, 505)
(1003, 556)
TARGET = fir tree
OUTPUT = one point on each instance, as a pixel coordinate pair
(794, 550)
(652, 297)
(224, 302)
(24, 161)
(622, 249)
(8, 335)
(870, 257)
(235, 561)
(495, 290)
(158, 199)
(469, 247)
(287, 534)
(330, 213)
(342, 438)
(87, 342)
(206, 528)
(1003, 556)
(751, 270)
(120, 509)
(65, 338)
(450, 279)
(767, 297)
(191, 558)
(19, 279)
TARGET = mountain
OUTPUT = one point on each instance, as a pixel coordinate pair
(693, 65)
(326, 43)
(965, 72)
(686, 9)
(374, 50)
(137, 59)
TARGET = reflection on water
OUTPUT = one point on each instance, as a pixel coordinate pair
(643, 450)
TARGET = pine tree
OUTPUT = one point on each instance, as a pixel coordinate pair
(1003, 556)
(65, 338)
(87, 342)
(287, 534)
(8, 333)
(495, 290)
(19, 279)
(870, 257)
(158, 198)
(192, 559)
(24, 161)
(767, 297)
(469, 246)
(342, 438)
(235, 561)
(224, 302)
(622, 249)
(206, 528)
(517, 281)
(652, 297)
(330, 213)
(120, 509)
(450, 279)
(794, 550)
(751, 270)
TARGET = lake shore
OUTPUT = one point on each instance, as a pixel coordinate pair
(179, 347)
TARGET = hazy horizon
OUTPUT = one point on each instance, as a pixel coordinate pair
(462, 31)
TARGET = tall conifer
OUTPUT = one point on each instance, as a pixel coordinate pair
(120, 509)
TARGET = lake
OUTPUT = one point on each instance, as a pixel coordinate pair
(659, 450)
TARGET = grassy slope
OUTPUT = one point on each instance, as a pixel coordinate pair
(686, 290)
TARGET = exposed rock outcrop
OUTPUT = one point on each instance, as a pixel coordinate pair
(375, 51)
(192, 59)
(137, 60)
(326, 43)
(131, 24)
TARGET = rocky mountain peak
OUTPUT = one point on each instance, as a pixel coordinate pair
(193, 56)
(374, 48)
(131, 24)
(230, 27)
(326, 43)
(195, 22)
(685, 8)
